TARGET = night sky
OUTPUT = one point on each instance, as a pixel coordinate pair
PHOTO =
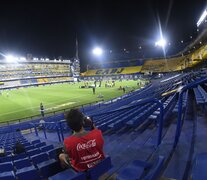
(49, 28)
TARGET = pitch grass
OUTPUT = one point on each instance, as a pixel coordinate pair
(24, 102)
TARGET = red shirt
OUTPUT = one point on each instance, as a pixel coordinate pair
(85, 151)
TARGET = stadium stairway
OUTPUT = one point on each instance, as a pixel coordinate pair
(183, 161)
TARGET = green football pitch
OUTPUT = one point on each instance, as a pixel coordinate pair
(25, 102)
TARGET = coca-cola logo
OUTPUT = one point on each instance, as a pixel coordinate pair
(86, 145)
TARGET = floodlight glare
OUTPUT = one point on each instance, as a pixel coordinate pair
(22, 58)
(10, 58)
(162, 42)
(97, 51)
(202, 18)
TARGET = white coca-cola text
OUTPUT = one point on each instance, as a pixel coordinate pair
(86, 145)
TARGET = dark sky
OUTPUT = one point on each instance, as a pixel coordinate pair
(49, 28)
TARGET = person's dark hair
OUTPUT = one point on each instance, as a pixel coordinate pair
(75, 119)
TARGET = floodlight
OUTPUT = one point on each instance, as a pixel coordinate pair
(162, 42)
(97, 51)
(202, 18)
(10, 58)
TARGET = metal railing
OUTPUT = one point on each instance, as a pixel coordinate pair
(42, 126)
(59, 129)
(141, 102)
(180, 107)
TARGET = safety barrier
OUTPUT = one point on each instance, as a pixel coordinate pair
(141, 102)
(180, 121)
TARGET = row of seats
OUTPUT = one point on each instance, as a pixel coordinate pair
(92, 174)
(200, 95)
(141, 170)
(39, 161)
(184, 101)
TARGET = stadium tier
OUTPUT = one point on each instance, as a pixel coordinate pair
(170, 64)
(28, 73)
(113, 71)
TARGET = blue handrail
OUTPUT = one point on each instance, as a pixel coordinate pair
(58, 128)
(149, 100)
(179, 121)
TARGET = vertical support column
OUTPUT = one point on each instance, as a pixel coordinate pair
(35, 127)
(159, 137)
(44, 130)
(61, 130)
(57, 129)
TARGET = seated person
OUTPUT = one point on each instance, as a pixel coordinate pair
(18, 148)
(2, 152)
(41, 123)
(84, 149)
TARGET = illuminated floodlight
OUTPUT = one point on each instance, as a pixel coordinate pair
(97, 51)
(202, 18)
(10, 58)
(161, 43)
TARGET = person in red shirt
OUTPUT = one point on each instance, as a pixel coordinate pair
(84, 149)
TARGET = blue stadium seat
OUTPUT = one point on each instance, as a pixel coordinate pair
(48, 167)
(38, 145)
(35, 141)
(28, 148)
(26, 144)
(21, 163)
(199, 167)
(38, 158)
(6, 159)
(19, 156)
(6, 166)
(53, 154)
(137, 168)
(7, 176)
(47, 148)
(33, 152)
(99, 169)
(68, 174)
(28, 173)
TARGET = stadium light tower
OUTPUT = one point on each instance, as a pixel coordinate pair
(97, 51)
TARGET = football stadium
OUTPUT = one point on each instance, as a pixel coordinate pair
(145, 111)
